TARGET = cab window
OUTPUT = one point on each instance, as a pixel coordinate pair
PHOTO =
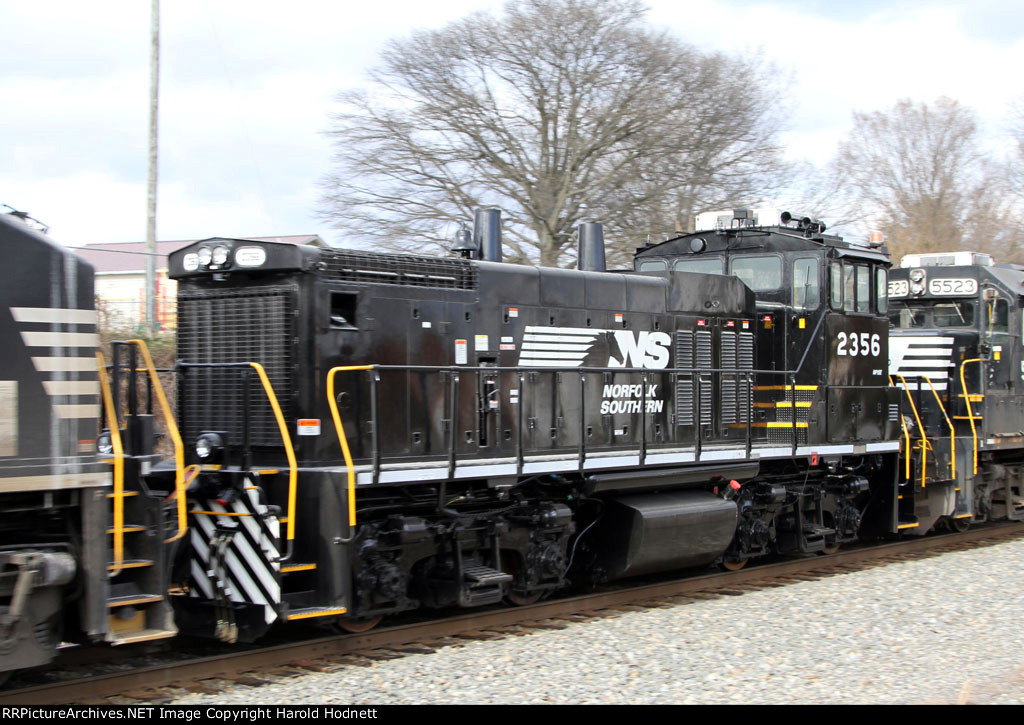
(651, 265)
(998, 316)
(882, 290)
(863, 288)
(836, 286)
(761, 274)
(704, 265)
(849, 287)
(953, 314)
(805, 283)
(908, 316)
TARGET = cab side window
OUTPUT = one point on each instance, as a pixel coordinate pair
(998, 316)
(805, 283)
(863, 288)
(882, 290)
(849, 287)
(836, 286)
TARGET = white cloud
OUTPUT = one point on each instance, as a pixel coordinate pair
(247, 86)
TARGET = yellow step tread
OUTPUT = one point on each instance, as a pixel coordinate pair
(131, 599)
(128, 528)
(141, 635)
(311, 612)
(130, 564)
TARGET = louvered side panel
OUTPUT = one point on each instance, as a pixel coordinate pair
(684, 382)
(745, 363)
(705, 361)
(728, 395)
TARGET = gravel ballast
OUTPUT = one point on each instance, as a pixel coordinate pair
(944, 629)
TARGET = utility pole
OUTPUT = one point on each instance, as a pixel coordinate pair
(154, 94)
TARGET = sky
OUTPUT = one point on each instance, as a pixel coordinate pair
(247, 87)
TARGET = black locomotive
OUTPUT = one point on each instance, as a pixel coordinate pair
(955, 351)
(59, 578)
(359, 434)
(438, 432)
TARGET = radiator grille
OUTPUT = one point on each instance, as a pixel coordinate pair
(684, 383)
(399, 269)
(728, 396)
(233, 326)
(705, 361)
(745, 355)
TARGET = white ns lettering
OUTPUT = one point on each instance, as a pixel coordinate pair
(646, 350)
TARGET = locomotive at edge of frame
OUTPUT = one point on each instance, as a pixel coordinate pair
(356, 435)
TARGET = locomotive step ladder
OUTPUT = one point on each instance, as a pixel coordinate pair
(137, 567)
(482, 584)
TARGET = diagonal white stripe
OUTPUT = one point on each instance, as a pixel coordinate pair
(54, 314)
(60, 339)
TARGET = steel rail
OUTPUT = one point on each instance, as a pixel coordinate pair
(230, 666)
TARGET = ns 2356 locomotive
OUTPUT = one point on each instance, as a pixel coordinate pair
(457, 431)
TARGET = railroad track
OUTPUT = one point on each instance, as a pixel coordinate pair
(260, 665)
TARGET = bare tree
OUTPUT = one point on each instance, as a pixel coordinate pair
(920, 177)
(558, 112)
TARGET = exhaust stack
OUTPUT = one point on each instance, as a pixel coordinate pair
(590, 257)
(487, 234)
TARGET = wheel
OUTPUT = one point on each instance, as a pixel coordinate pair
(522, 600)
(513, 565)
(355, 626)
(958, 526)
(734, 565)
(831, 548)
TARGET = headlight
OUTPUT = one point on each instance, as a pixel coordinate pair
(250, 256)
(104, 444)
(190, 262)
(205, 256)
(917, 275)
(208, 445)
(220, 255)
(917, 288)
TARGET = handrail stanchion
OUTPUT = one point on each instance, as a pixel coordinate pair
(952, 431)
(906, 434)
(970, 412)
(172, 430)
(643, 418)
(519, 425)
(583, 422)
(332, 402)
(375, 421)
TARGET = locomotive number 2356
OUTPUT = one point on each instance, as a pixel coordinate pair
(863, 344)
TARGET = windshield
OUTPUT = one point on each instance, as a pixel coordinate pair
(944, 314)
(704, 265)
(760, 274)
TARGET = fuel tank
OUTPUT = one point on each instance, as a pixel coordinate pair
(652, 532)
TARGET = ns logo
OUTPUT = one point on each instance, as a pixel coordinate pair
(645, 350)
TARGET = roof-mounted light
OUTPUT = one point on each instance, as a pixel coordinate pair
(250, 256)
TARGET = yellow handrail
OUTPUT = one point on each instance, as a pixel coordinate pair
(172, 429)
(906, 434)
(952, 430)
(288, 448)
(340, 429)
(115, 440)
(970, 413)
(920, 427)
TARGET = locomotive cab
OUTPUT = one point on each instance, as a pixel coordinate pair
(821, 322)
(955, 351)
